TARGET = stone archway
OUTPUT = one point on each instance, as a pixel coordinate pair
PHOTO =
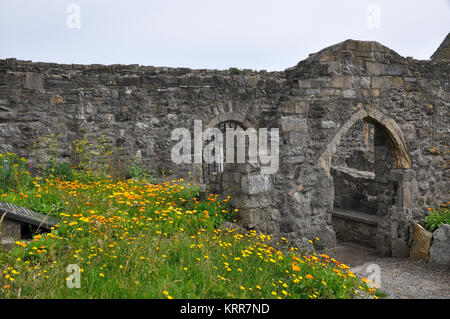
(220, 175)
(384, 225)
(372, 115)
(249, 188)
(221, 122)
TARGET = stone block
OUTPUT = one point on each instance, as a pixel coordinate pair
(396, 81)
(303, 84)
(315, 91)
(293, 124)
(9, 229)
(256, 184)
(327, 124)
(361, 82)
(401, 175)
(374, 93)
(301, 107)
(421, 244)
(349, 94)
(363, 46)
(294, 107)
(332, 66)
(380, 82)
(128, 81)
(399, 248)
(354, 231)
(298, 139)
(396, 69)
(57, 99)
(57, 83)
(341, 82)
(330, 92)
(440, 248)
(287, 107)
(374, 68)
(34, 81)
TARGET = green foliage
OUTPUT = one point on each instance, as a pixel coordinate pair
(235, 71)
(135, 239)
(13, 172)
(97, 159)
(93, 158)
(132, 239)
(60, 170)
(46, 151)
(48, 163)
(437, 217)
(138, 171)
(214, 209)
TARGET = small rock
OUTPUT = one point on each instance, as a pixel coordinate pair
(440, 249)
(424, 186)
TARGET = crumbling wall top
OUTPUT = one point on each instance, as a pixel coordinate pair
(443, 52)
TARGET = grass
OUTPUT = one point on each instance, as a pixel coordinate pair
(133, 239)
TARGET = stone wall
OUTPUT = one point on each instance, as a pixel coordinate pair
(354, 189)
(356, 149)
(315, 104)
(136, 107)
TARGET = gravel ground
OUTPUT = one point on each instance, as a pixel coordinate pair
(400, 278)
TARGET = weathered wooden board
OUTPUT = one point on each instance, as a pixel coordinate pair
(28, 216)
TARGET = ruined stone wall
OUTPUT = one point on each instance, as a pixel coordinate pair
(315, 104)
(136, 107)
(352, 81)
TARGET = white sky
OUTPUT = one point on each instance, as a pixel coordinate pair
(214, 34)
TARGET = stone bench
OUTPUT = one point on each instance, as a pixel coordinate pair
(354, 226)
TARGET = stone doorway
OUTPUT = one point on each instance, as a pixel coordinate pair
(369, 165)
(224, 178)
(353, 168)
(242, 180)
(219, 175)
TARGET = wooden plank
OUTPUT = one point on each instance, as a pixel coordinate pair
(27, 216)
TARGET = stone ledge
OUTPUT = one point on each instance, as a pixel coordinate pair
(354, 172)
(355, 216)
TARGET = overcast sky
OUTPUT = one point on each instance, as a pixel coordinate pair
(252, 34)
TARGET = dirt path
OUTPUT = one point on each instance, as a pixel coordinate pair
(399, 278)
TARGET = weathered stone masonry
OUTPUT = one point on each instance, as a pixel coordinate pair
(315, 104)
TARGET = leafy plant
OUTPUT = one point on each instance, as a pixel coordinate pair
(437, 217)
(61, 170)
(47, 155)
(97, 159)
(13, 172)
(137, 170)
(132, 239)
